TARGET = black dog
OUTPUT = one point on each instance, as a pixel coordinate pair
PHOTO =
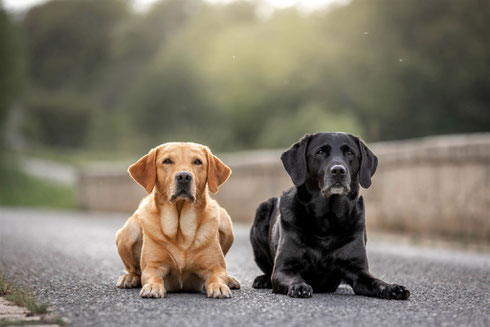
(313, 236)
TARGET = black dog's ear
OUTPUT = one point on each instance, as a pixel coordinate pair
(368, 164)
(294, 160)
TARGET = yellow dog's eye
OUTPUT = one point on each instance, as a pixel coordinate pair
(197, 162)
(167, 161)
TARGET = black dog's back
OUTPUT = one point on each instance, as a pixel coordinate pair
(259, 237)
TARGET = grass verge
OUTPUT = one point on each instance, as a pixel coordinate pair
(18, 189)
(19, 297)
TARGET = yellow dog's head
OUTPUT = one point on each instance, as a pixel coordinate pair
(180, 171)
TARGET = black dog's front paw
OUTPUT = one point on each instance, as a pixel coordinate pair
(393, 292)
(262, 281)
(300, 290)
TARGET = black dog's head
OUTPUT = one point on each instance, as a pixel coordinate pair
(332, 163)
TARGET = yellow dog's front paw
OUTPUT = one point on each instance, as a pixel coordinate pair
(218, 291)
(153, 290)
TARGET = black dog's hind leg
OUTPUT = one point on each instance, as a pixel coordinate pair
(259, 237)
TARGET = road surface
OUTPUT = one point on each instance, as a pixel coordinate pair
(70, 260)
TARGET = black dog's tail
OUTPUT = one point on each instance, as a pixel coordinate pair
(259, 235)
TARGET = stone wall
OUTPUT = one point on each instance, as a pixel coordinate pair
(436, 185)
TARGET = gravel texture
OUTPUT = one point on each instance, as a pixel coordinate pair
(70, 259)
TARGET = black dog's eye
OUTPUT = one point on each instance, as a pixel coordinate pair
(197, 162)
(349, 153)
(320, 152)
(167, 161)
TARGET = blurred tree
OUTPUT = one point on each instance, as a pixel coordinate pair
(145, 34)
(11, 66)
(167, 103)
(69, 41)
(226, 76)
(447, 75)
(136, 42)
(413, 68)
(60, 120)
(171, 99)
(70, 51)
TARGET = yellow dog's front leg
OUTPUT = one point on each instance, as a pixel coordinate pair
(216, 284)
(154, 264)
(214, 274)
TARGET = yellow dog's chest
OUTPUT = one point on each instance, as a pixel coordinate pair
(180, 228)
(182, 275)
(184, 238)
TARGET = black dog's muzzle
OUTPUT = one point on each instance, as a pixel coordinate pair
(336, 181)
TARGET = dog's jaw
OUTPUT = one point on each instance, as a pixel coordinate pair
(187, 193)
(182, 196)
(335, 189)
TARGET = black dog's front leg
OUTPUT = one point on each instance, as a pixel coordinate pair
(363, 283)
(290, 283)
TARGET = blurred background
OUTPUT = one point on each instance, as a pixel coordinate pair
(90, 81)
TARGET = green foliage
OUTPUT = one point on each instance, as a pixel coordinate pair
(422, 68)
(11, 65)
(167, 98)
(69, 41)
(310, 119)
(225, 76)
(59, 120)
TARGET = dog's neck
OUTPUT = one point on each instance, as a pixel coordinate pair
(323, 216)
(320, 206)
(178, 220)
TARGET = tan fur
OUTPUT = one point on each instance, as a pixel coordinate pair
(181, 244)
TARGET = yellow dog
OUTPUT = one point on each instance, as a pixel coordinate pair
(178, 237)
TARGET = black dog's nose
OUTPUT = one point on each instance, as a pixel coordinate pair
(183, 177)
(337, 171)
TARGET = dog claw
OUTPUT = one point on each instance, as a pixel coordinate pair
(394, 292)
(128, 281)
(262, 281)
(154, 291)
(218, 291)
(300, 290)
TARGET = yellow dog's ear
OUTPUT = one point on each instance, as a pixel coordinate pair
(144, 171)
(218, 172)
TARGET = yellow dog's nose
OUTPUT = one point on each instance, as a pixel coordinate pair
(183, 177)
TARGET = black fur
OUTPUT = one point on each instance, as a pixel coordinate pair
(313, 237)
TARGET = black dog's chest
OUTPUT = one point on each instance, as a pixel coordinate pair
(322, 252)
(321, 270)
(325, 249)
(328, 233)
(318, 239)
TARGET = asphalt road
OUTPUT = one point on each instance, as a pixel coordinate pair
(70, 260)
